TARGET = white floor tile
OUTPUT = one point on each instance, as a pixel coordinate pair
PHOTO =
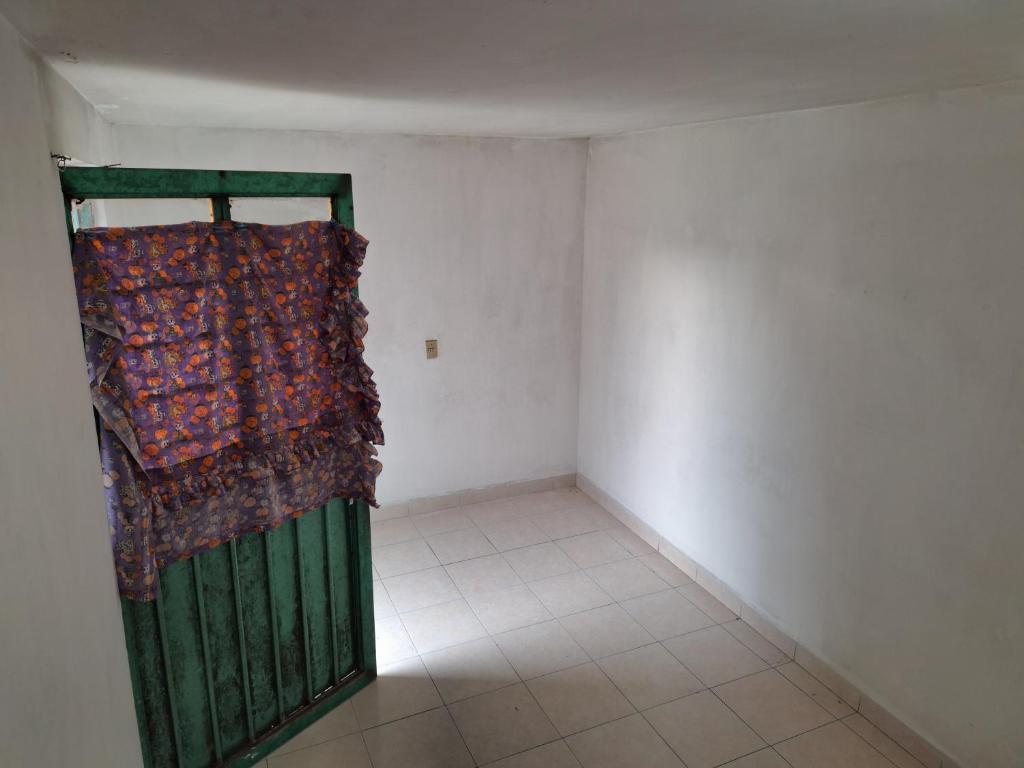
(383, 608)
(400, 690)
(441, 626)
(347, 752)
(393, 531)
(764, 758)
(406, 557)
(389, 511)
(633, 543)
(771, 705)
(502, 723)
(427, 740)
(873, 736)
(461, 545)
(626, 579)
(665, 571)
(666, 614)
(488, 511)
(627, 743)
(553, 755)
(539, 649)
(570, 593)
(506, 609)
(393, 642)
(832, 746)
(549, 501)
(590, 549)
(601, 516)
(714, 656)
(540, 561)
(650, 676)
(513, 533)
(469, 669)
(579, 698)
(340, 721)
(412, 591)
(753, 639)
(563, 523)
(605, 631)
(443, 521)
(704, 600)
(810, 685)
(483, 574)
(702, 730)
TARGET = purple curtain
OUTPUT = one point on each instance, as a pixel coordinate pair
(226, 365)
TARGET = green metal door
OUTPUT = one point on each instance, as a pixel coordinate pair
(253, 641)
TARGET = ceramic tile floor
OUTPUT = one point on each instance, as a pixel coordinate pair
(538, 632)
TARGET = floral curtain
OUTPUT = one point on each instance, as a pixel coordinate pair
(226, 365)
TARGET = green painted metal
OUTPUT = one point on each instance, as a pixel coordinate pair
(303, 612)
(204, 639)
(275, 632)
(220, 208)
(119, 183)
(243, 654)
(251, 642)
(342, 204)
(208, 681)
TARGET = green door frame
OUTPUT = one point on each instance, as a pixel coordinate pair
(247, 741)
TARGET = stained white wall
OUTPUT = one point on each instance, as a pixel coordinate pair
(474, 242)
(67, 695)
(803, 364)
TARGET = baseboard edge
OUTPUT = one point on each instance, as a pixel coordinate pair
(466, 496)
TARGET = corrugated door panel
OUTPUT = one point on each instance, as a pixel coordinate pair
(345, 611)
(156, 725)
(177, 605)
(315, 603)
(284, 590)
(259, 635)
(224, 644)
(252, 641)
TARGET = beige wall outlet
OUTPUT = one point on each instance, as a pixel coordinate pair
(431, 348)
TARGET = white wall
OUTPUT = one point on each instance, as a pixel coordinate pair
(67, 695)
(474, 242)
(803, 364)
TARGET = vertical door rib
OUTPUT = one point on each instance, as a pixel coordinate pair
(355, 580)
(207, 660)
(329, 554)
(242, 653)
(303, 607)
(172, 697)
(364, 605)
(274, 631)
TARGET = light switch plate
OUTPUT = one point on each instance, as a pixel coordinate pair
(431, 348)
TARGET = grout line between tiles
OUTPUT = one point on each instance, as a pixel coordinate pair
(840, 721)
(366, 747)
(751, 727)
(458, 730)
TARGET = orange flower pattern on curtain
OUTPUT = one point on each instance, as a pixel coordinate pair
(226, 364)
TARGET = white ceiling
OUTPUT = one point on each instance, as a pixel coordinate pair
(510, 67)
